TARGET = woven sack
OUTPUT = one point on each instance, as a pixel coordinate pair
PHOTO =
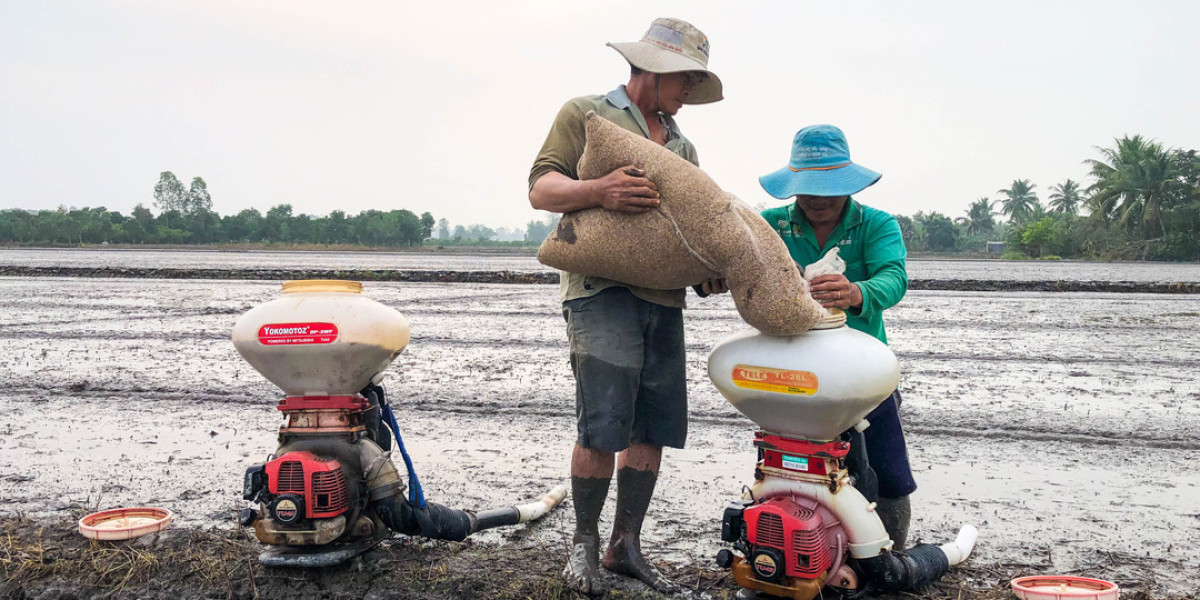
(697, 233)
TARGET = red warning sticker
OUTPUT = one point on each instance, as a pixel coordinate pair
(279, 334)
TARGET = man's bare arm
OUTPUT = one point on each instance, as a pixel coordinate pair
(625, 189)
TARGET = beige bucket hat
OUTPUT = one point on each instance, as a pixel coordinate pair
(671, 46)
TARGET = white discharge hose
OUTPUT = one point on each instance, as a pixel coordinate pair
(958, 550)
(512, 515)
(535, 510)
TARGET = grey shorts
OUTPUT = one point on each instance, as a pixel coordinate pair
(628, 360)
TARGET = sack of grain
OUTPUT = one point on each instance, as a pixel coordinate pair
(699, 232)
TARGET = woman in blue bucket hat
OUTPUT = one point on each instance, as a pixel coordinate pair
(820, 179)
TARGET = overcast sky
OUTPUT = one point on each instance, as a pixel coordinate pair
(441, 106)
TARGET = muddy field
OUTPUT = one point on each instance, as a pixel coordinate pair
(1060, 424)
(45, 260)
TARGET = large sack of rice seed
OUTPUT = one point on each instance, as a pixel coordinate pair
(697, 233)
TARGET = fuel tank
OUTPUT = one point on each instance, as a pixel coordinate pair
(810, 386)
(321, 338)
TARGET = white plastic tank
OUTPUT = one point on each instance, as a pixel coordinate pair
(321, 338)
(810, 386)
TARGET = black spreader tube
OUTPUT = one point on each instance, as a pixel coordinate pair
(496, 517)
(441, 522)
(432, 521)
(910, 570)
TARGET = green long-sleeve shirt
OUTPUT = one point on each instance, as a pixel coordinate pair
(872, 246)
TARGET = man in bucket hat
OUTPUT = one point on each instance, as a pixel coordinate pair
(821, 178)
(627, 352)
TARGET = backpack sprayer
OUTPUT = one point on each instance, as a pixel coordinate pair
(331, 491)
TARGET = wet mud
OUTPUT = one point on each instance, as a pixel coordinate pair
(1061, 424)
(542, 277)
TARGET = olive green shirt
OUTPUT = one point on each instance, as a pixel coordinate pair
(560, 153)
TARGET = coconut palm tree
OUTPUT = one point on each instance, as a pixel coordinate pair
(1133, 181)
(1066, 197)
(1020, 202)
(980, 217)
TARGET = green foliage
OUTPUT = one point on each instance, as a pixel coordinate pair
(276, 225)
(1151, 193)
(1133, 181)
(1037, 239)
(479, 233)
(980, 217)
(1144, 203)
(908, 231)
(197, 199)
(936, 232)
(1066, 197)
(427, 223)
(1020, 202)
(169, 194)
(397, 228)
(537, 231)
(244, 227)
(1178, 246)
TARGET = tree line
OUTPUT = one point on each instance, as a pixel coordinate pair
(1142, 203)
(185, 216)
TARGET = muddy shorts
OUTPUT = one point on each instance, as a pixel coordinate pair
(628, 360)
(886, 450)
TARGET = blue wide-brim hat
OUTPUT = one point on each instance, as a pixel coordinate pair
(820, 166)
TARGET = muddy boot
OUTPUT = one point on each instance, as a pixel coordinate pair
(624, 556)
(582, 572)
(895, 514)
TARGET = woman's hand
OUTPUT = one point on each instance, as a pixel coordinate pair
(835, 291)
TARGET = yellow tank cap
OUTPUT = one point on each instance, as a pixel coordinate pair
(322, 285)
(836, 318)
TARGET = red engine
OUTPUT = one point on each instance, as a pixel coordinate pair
(305, 486)
(789, 540)
(790, 544)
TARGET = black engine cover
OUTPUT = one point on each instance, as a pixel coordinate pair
(287, 509)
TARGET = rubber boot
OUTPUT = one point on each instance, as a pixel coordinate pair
(895, 514)
(582, 572)
(624, 556)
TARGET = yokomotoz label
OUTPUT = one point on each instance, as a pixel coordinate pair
(287, 334)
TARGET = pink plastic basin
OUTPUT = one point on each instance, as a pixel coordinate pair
(124, 523)
(1063, 587)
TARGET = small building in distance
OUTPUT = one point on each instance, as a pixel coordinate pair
(995, 247)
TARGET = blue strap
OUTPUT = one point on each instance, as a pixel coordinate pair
(416, 496)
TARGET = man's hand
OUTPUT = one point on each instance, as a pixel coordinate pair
(714, 286)
(625, 190)
(835, 291)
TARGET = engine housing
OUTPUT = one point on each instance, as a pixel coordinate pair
(782, 528)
